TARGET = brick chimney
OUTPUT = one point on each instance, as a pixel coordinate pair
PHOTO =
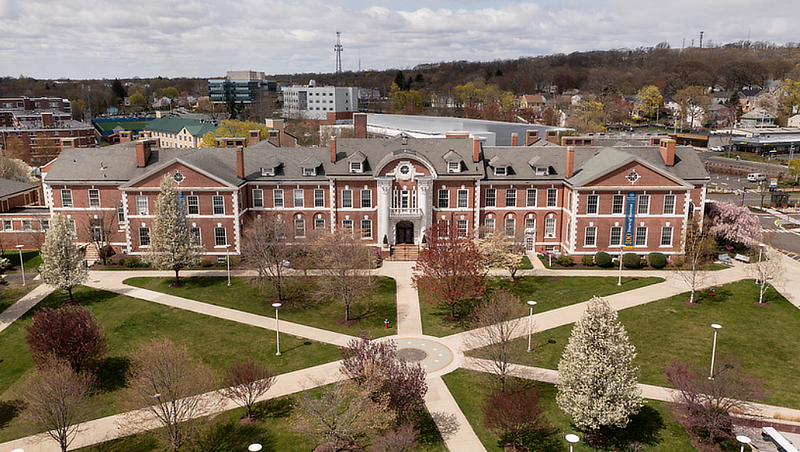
(143, 152)
(667, 149)
(360, 125)
(514, 139)
(333, 149)
(570, 161)
(655, 141)
(551, 136)
(240, 162)
(254, 136)
(476, 149)
(456, 134)
(274, 137)
(531, 136)
(47, 119)
(125, 136)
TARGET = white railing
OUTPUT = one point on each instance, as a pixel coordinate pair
(407, 212)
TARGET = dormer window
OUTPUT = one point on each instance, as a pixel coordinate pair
(542, 171)
(267, 171)
(453, 167)
(309, 171)
(500, 171)
(356, 167)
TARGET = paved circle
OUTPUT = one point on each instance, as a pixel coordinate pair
(431, 355)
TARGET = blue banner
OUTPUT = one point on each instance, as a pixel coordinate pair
(630, 218)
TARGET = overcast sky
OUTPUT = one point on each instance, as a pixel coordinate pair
(206, 38)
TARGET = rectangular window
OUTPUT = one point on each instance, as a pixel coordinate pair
(26, 225)
(669, 204)
(491, 197)
(590, 238)
(488, 226)
(462, 198)
(511, 197)
(298, 197)
(7, 225)
(299, 227)
(511, 227)
(616, 236)
(220, 237)
(219, 204)
(66, 198)
(591, 204)
(644, 205)
(347, 199)
(347, 226)
(319, 223)
(141, 205)
(666, 236)
(552, 193)
(355, 167)
(366, 229)
(73, 229)
(462, 228)
(444, 198)
(366, 199)
(530, 197)
(144, 236)
(44, 224)
(549, 228)
(277, 197)
(319, 197)
(193, 205)
(530, 224)
(94, 197)
(453, 167)
(641, 236)
(194, 236)
(258, 198)
(617, 204)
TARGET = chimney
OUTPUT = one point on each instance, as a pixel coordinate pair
(667, 149)
(457, 134)
(551, 136)
(254, 136)
(274, 137)
(570, 161)
(531, 136)
(655, 141)
(360, 125)
(47, 120)
(125, 136)
(240, 162)
(143, 152)
(514, 139)
(476, 149)
(333, 149)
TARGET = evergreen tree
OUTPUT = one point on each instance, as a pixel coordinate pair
(597, 378)
(170, 245)
(61, 266)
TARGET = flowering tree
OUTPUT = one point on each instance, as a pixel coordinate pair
(597, 378)
(61, 266)
(514, 412)
(70, 333)
(497, 252)
(734, 223)
(449, 268)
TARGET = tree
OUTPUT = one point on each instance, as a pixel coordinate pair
(514, 412)
(697, 247)
(70, 333)
(403, 439)
(119, 91)
(101, 229)
(496, 251)
(62, 265)
(648, 101)
(496, 324)
(794, 168)
(16, 169)
(597, 379)
(694, 102)
(137, 100)
(402, 383)
(769, 270)
(733, 223)
(707, 403)
(790, 101)
(169, 387)
(449, 267)
(171, 248)
(266, 247)
(245, 382)
(341, 257)
(588, 116)
(58, 400)
(233, 128)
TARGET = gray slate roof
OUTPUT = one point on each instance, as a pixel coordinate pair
(11, 187)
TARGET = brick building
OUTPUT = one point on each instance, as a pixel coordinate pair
(23, 218)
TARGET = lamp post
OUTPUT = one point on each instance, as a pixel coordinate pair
(21, 264)
(744, 440)
(619, 279)
(572, 439)
(255, 447)
(713, 349)
(277, 329)
(228, 260)
(531, 303)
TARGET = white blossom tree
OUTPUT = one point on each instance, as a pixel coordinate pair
(497, 252)
(597, 378)
(171, 248)
(61, 266)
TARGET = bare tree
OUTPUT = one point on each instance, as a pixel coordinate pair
(267, 249)
(496, 324)
(697, 247)
(169, 385)
(403, 439)
(341, 257)
(767, 271)
(102, 228)
(58, 400)
(515, 412)
(245, 382)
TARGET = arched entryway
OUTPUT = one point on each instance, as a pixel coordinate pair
(405, 232)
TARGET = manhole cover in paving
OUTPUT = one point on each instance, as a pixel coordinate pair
(411, 355)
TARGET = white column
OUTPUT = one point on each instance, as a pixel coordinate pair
(384, 203)
(424, 186)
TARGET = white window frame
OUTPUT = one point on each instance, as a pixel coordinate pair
(488, 226)
(462, 195)
(66, 197)
(195, 236)
(590, 236)
(141, 205)
(218, 203)
(277, 197)
(319, 224)
(319, 197)
(453, 167)
(347, 198)
(298, 197)
(549, 228)
(444, 198)
(94, 197)
(491, 197)
(552, 197)
(510, 226)
(511, 195)
(258, 197)
(530, 197)
(643, 205)
(666, 233)
(592, 204)
(638, 236)
(366, 229)
(462, 226)
(347, 226)
(366, 198)
(356, 167)
(217, 237)
(530, 224)
(8, 225)
(299, 227)
(669, 205)
(618, 205)
(617, 236)
(500, 171)
(144, 236)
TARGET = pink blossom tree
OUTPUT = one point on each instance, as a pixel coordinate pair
(734, 223)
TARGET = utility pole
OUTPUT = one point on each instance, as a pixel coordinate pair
(701, 38)
(338, 49)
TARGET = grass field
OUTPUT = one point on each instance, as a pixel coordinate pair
(31, 258)
(304, 308)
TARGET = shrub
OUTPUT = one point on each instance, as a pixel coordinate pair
(131, 262)
(603, 259)
(657, 260)
(106, 252)
(587, 260)
(70, 333)
(631, 260)
(565, 261)
(206, 263)
(678, 261)
(4, 263)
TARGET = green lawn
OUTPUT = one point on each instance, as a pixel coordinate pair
(11, 293)
(667, 328)
(129, 322)
(304, 308)
(549, 293)
(655, 427)
(31, 258)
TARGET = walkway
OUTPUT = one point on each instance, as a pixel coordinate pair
(18, 309)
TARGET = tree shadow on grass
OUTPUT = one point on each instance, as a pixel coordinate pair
(644, 427)
(9, 409)
(721, 295)
(232, 436)
(538, 441)
(274, 408)
(110, 375)
(135, 443)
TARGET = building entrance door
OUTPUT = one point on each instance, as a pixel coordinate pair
(405, 232)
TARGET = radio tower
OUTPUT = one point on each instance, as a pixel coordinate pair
(338, 49)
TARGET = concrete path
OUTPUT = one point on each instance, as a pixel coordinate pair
(450, 420)
(23, 305)
(409, 319)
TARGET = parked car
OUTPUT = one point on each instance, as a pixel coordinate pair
(756, 177)
(716, 149)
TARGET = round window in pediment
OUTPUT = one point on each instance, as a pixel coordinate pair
(178, 177)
